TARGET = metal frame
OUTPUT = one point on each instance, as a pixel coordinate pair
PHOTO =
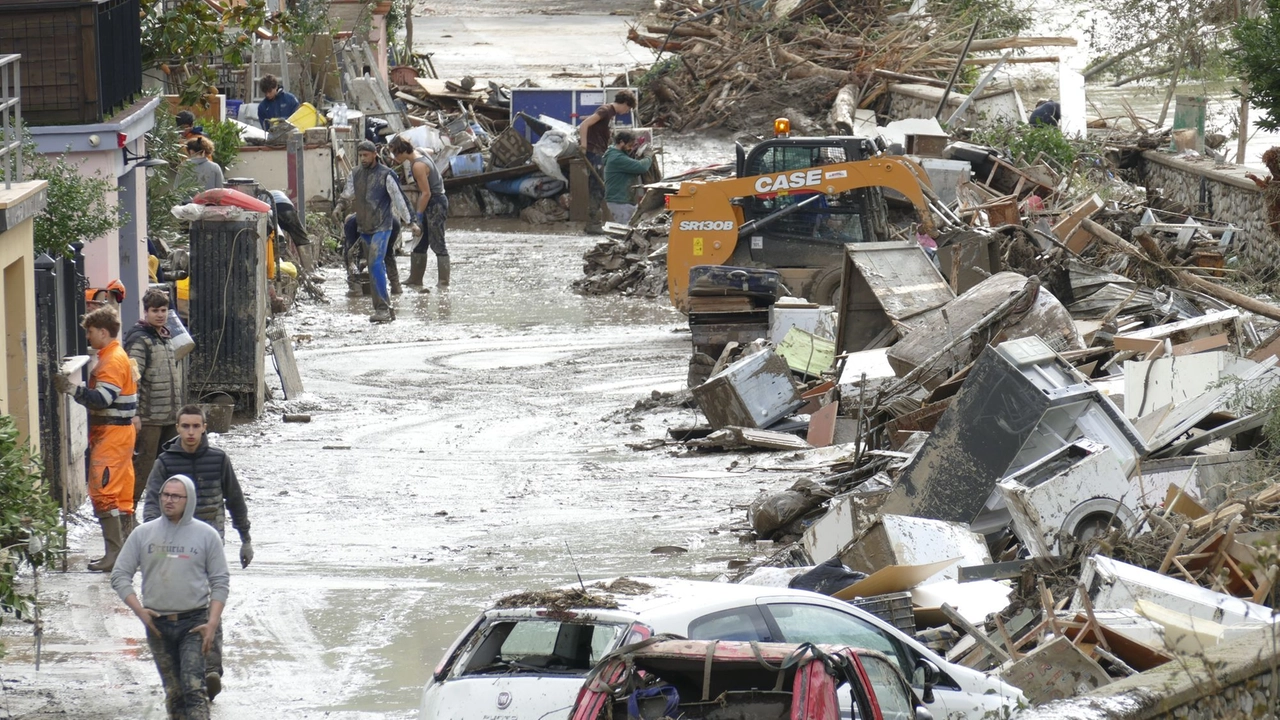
(10, 119)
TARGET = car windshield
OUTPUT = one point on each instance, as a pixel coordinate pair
(539, 645)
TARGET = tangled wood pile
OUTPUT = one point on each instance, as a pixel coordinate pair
(724, 64)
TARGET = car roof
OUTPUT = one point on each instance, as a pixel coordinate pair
(644, 596)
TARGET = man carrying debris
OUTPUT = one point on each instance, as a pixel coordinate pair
(593, 137)
(159, 393)
(112, 400)
(376, 195)
(185, 583)
(278, 103)
(620, 174)
(217, 492)
(432, 210)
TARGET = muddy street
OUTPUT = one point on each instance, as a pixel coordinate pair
(451, 457)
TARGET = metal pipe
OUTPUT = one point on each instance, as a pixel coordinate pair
(956, 73)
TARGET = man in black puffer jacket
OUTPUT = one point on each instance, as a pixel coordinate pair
(217, 493)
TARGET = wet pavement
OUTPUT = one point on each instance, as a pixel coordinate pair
(451, 457)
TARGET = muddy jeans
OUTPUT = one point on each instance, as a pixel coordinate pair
(595, 190)
(176, 651)
(145, 449)
(376, 258)
(432, 220)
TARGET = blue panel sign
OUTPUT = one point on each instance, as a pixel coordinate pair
(570, 106)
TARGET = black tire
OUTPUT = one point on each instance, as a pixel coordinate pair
(825, 288)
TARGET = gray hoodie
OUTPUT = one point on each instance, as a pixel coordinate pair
(183, 566)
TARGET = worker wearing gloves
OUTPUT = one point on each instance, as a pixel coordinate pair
(217, 492)
(374, 192)
(432, 209)
(112, 400)
(620, 174)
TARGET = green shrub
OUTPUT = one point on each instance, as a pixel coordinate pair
(77, 208)
(30, 533)
(225, 135)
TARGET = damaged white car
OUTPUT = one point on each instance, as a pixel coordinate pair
(525, 658)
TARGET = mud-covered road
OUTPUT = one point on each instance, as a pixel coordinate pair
(451, 457)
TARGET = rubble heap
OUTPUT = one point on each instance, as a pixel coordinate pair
(738, 65)
(1053, 430)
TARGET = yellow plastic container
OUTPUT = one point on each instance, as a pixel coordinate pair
(306, 117)
(288, 268)
(184, 288)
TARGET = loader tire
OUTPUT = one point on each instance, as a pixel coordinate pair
(825, 288)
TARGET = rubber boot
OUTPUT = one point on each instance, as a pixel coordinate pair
(393, 275)
(112, 539)
(417, 268)
(127, 524)
(442, 262)
(382, 312)
(355, 288)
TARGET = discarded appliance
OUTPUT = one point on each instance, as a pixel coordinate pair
(1019, 403)
(1069, 497)
(884, 284)
(753, 392)
(1115, 585)
(890, 540)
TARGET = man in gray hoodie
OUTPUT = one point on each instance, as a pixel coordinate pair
(185, 582)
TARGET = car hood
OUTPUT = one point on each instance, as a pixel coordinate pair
(501, 697)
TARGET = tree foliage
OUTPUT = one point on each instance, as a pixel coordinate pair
(30, 533)
(188, 39)
(165, 186)
(79, 206)
(1159, 38)
(1256, 58)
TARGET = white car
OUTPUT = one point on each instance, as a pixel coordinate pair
(517, 662)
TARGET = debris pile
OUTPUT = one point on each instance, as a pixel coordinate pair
(1050, 425)
(739, 65)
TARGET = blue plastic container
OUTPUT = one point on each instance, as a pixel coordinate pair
(468, 164)
(233, 108)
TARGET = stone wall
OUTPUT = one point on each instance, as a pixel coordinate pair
(1217, 192)
(1236, 681)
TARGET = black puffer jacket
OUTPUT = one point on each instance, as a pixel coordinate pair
(216, 485)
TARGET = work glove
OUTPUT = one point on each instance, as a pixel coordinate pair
(63, 384)
(246, 552)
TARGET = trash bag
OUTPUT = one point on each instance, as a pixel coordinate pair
(828, 578)
(774, 512)
(549, 149)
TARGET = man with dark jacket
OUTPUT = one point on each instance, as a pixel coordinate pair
(159, 387)
(374, 193)
(217, 493)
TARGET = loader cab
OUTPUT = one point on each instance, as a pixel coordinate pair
(810, 237)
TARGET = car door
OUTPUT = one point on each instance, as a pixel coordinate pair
(794, 622)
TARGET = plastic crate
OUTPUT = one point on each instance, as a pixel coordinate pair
(894, 608)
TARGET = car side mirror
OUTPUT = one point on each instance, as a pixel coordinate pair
(931, 673)
(922, 713)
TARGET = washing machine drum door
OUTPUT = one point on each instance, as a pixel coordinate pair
(1094, 517)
